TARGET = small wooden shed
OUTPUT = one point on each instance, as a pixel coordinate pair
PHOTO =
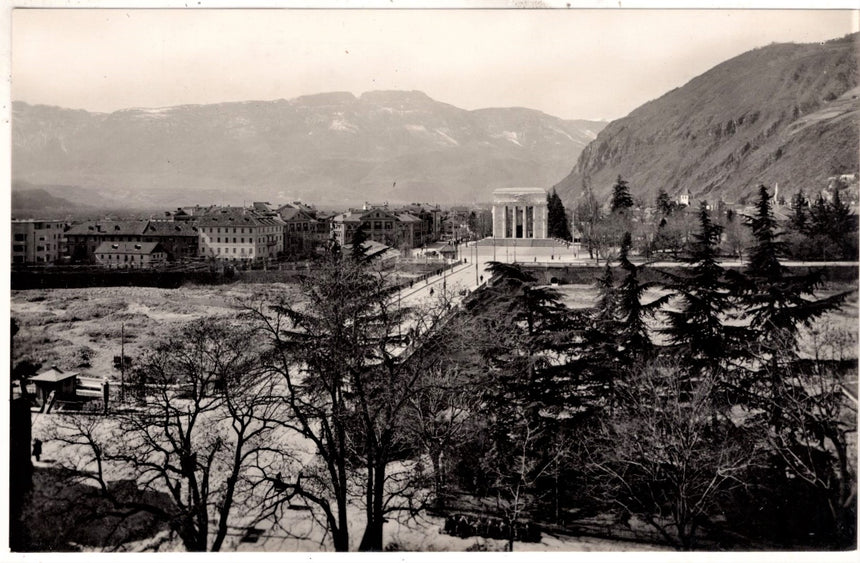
(62, 383)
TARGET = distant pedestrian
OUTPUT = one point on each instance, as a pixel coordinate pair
(482, 279)
(431, 291)
(37, 449)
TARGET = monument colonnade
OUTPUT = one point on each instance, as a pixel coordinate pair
(519, 213)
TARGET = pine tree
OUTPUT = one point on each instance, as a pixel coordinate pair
(621, 199)
(698, 327)
(776, 302)
(664, 205)
(633, 336)
(557, 226)
(602, 334)
(359, 237)
(799, 220)
(840, 218)
(819, 217)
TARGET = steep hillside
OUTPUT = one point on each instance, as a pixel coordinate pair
(784, 113)
(36, 203)
(329, 148)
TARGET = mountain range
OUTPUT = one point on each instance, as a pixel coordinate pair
(785, 114)
(329, 149)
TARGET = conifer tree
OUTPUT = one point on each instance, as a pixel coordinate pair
(698, 327)
(819, 217)
(776, 302)
(359, 237)
(664, 205)
(840, 221)
(602, 333)
(633, 336)
(557, 226)
(799, 220)
(621, 199)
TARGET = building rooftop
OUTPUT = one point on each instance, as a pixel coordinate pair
(54, 375)
(507, 191)
(135, 248)
(295, 214)
(109, 227)
(238, 217)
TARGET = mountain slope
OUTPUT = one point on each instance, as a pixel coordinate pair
(329, 148)
(30, 202)
(785, 114)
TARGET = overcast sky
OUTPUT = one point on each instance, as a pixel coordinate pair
(570, 63)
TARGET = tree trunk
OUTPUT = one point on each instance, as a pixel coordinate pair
(372, 539)
(340, 538)
(438, 478)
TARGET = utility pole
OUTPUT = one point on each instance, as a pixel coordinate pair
(476, 264)
(122, 365)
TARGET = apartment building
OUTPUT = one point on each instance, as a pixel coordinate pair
(37, 241)
(238, 234)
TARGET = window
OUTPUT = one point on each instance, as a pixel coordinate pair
(242, 240)
(20, 237)
(18, 248)
(234, 238)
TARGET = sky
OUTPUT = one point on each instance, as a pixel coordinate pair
(574, 64)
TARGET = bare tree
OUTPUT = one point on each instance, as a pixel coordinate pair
(517, 467)
(818, 428)
(200, 435)
(438, 417)
(668, 455)
(349, 377)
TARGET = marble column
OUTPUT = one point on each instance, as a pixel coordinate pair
(523, 221)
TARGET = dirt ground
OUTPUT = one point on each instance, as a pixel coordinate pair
(81, 329)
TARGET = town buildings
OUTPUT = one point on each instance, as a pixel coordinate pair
(303, 231)
(394, 228)
(238, 234)
(37, 241)
(130, 254)
(178, 239)
(259, 232)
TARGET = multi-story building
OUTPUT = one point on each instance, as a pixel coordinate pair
(37, 242)
(239, 234)
(432, 222)
(302, 231)
(130, 254)
(178, 239)
(392, 228)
